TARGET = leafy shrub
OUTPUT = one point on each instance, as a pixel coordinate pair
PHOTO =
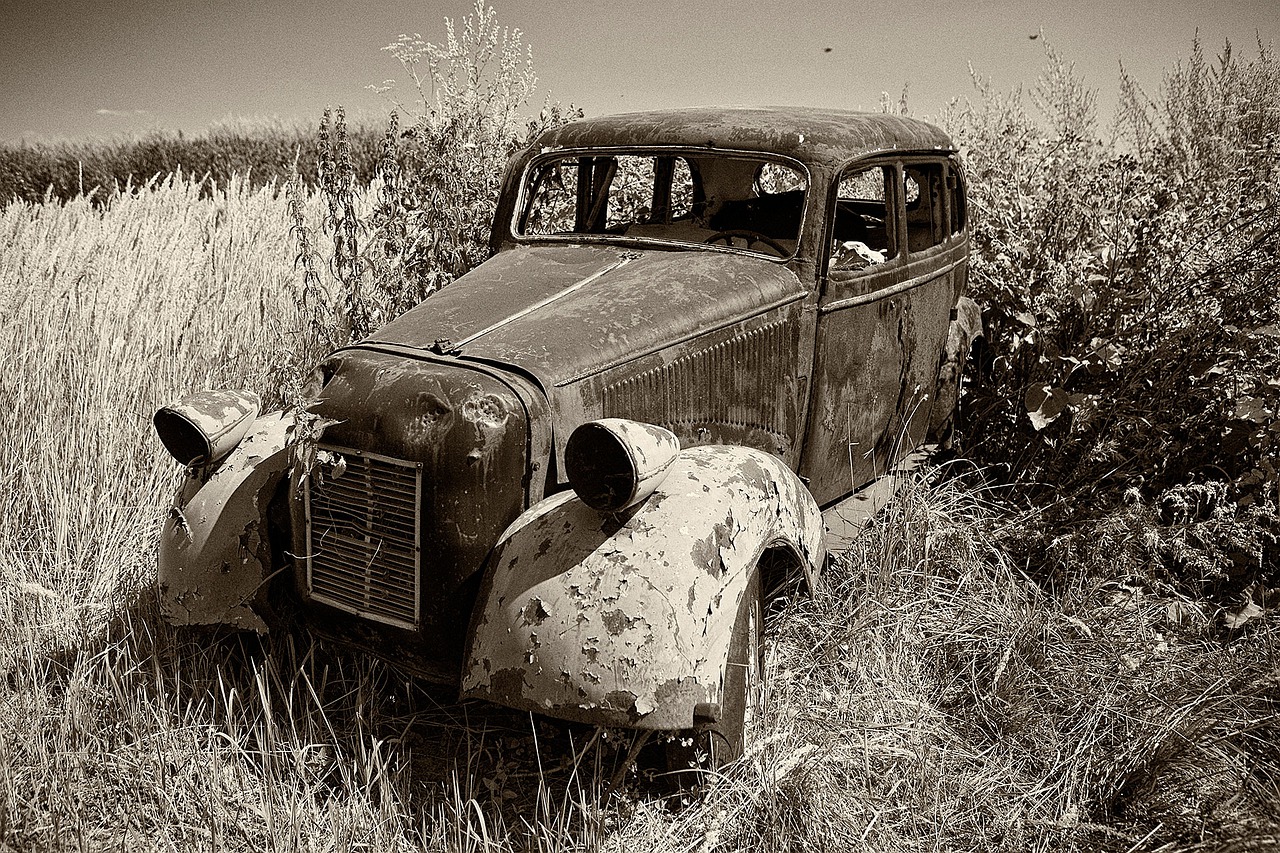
(426, 219)
(1132, 289)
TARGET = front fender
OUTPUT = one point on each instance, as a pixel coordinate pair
(215, 555)
(594, 618)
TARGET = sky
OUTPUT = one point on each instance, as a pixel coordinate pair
(98, 68)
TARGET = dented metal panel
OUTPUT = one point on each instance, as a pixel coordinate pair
(215, 555)
(470, 433)
(627, 621)
(444, 427)
(656, 307)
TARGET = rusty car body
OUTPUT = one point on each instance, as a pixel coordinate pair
(566, 482)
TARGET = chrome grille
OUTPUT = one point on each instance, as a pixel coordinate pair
(364, 545)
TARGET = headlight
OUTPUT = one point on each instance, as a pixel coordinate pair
(203, 428)
(615, 463)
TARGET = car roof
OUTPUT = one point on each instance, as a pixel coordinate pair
(809, 134)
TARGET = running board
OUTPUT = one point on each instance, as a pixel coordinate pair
(844, 521)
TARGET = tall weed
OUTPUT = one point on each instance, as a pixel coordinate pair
(426, 219)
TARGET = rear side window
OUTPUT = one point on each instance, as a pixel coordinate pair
(864, 233)
(923, 191)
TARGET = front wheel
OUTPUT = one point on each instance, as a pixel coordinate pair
(714, 743)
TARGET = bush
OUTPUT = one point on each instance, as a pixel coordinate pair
(426, 219)
(1132, 294)
(258, 152)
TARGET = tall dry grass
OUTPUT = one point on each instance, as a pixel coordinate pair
(107, 314)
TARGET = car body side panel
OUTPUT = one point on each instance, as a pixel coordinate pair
(880, 339)
(215, 553)
(737, 384)
(617, 621)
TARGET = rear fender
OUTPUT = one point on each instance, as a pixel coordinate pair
(215, 554)
(961, 334)
(627, 620)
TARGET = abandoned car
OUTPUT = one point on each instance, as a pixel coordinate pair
(567, 481)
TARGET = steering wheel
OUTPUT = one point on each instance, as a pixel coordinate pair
(752, 237)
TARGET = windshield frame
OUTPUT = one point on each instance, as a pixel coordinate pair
(528, 179)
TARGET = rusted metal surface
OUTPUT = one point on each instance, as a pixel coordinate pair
(961, 333)
(469, 431)
(880, 338)
(846, 520)
(627, 621)
(450, 425)
(215, 555)
(528, 306)
(204, 427)
(662, 304)
(810, 135)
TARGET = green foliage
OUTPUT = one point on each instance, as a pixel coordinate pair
(259, 152)
(426, 219)
(1132, 289)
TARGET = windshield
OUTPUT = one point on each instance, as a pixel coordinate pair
(735, 201)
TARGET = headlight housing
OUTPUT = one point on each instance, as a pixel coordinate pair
(616, 463)
(201, 429)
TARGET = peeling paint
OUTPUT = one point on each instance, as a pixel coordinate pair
(597, 615)
(618, 616)
(534, 613)
(202, 428)
(214, 553)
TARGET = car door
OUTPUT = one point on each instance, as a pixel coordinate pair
(887, 292)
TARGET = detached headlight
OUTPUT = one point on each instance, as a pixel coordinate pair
(615, 463)
(203, 428)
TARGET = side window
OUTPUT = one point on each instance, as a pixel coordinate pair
(923, 197)
(554, 203)
(864, 231)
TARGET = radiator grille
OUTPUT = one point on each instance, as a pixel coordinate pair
(364, 545)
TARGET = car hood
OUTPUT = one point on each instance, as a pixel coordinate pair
(565, 312)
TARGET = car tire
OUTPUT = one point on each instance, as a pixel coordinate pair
(713, 744)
